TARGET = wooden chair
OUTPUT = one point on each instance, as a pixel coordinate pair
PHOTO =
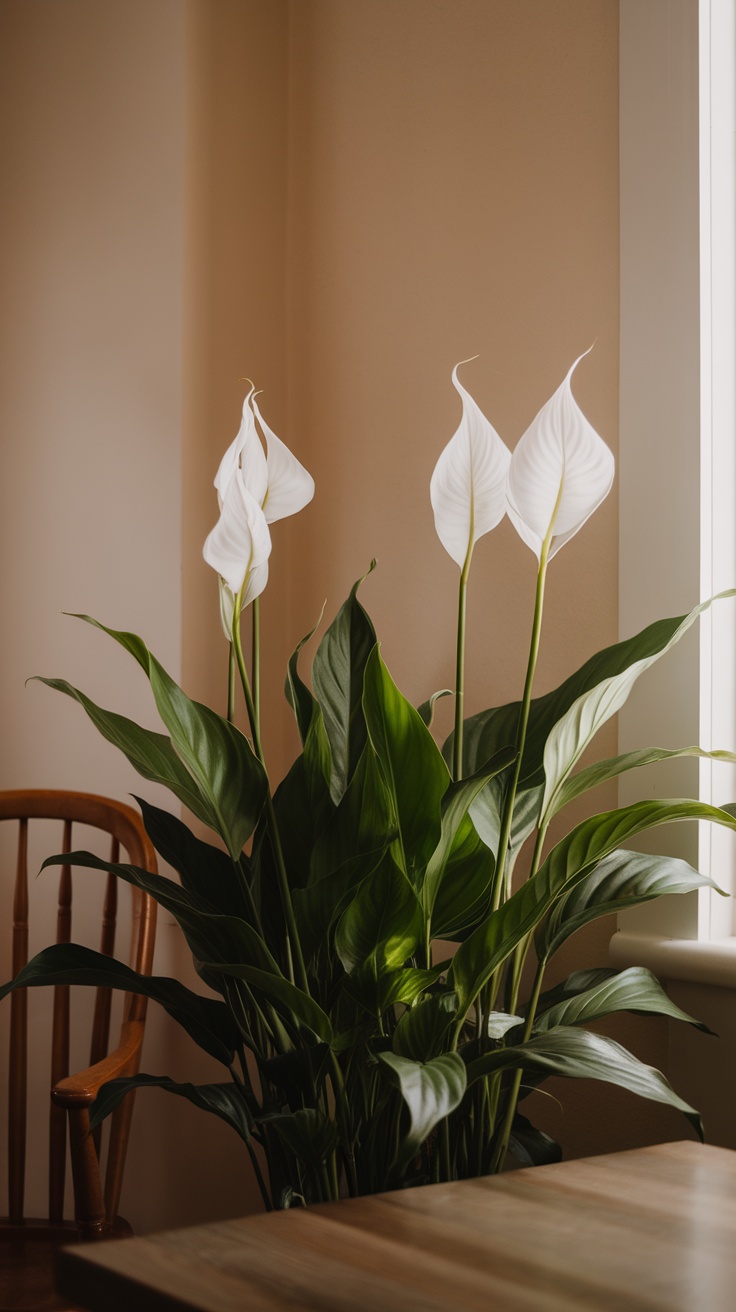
(27, 1246)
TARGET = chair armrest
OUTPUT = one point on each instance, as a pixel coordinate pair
(81, 1089)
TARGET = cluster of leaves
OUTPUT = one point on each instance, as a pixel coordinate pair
(353, 1057)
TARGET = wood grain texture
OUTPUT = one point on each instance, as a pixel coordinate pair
(653, 1230)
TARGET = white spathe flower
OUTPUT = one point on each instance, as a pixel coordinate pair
(560, 472)
(239, 545)
(277, 480)
(468, 486)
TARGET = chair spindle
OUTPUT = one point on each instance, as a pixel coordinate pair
(18, 1037)
(60, 1045)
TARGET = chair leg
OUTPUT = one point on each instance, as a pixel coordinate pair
(89, 1206)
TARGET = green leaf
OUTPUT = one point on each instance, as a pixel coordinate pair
(363, 823)
(430, 1090)
(426, 710)
(582, 1055)
(206, 1020)
(298, 695)
(635, 989)
(383, 925)
(308, 1134)
(579, 724)
(222, 1100)
(488, 731)
(151, 754)
(204, 870)
(456, 802)
(530, 1146)
(601, 771)
(291, 1001)
(622, 879)
(407, 984)
(571, 860)
(424, 1030)
(215, 753)
(415, 773)
(337, 675)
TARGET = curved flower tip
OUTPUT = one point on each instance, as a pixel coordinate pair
(468, 486)
(244, 458)
(560, 472)
(289, 487)
(239, 545)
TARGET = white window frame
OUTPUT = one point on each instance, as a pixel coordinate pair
(678, 442)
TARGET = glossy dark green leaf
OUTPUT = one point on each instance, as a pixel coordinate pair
(622, 879)
(203, 869)
(206, 1020)
(298, 695)
(223, 1100)
(424, 1031)
(426, 710)
(601, 772)
(337, 675)
(215, 753)
(151, 754)
(431, 1091)
(415, 773)
(290, 1000)
(582, 1055)
(530, 1146)
(488, 731)
(383, 924)
(364, 822)
(308, 1134)
(572, 859)
(635, 989)
(407, 984)
(456, 802)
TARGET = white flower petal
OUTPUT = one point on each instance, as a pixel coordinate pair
(468, 486)
(290, 487)
(227, 606)
(244, 458)
(240, 543)
(561, 470)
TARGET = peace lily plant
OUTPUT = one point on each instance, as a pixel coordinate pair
(353, 1059)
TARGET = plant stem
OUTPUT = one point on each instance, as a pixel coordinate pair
(255, 665)
(503, 1142)
(292, 933)
(231, 666)
(457, 746)
(508, 811)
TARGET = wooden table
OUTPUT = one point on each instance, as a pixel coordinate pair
(652, 1230)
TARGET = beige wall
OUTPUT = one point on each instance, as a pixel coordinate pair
(340, 200)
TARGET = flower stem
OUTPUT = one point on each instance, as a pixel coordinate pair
(255, 666)
(513, 1096)
(508, 811)
(292, 933)
(231, 668)
(457, 747)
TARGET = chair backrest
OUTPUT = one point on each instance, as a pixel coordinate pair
(126, 830)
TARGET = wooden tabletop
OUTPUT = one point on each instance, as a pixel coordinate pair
(652, 1230)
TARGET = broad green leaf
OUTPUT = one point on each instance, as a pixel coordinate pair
(308, 1134)
(579, 724)
(635, 989)
(431, 1091)
(582, 1055)
(456, 803)
(601, 771)
(426, 710)
(424, 1030)
(223, 1100)
(622, 879)
(151, 754)
(530, 1146)
(488, 731)
(203, 869)
(337, 675)
(298, 695)
(464, 895)
(412, 765)
(291, 1001)
(407, 984)
(498, 1023)
(364, 821)
(383, 925)
(206, 1020)
(215, 753)
(573, 858)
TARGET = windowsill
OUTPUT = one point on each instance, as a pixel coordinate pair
(694, 960)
